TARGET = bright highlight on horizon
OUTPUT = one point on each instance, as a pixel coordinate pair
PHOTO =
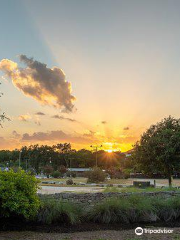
(109, 150)
(87, 73)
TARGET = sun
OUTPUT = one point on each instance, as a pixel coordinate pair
(109, 150)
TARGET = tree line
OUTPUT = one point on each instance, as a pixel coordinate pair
(38, 157)
(157, 152)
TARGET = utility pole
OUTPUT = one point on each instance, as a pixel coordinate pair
(96, 147)
(26, 164)
(20, 158)
(70, 165)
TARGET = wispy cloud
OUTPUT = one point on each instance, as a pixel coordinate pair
(40, 114)
(37, 122)
(16, 134)
(64, 118)
(29, 118)
(46, 85)
(24, 118)
(90, 133)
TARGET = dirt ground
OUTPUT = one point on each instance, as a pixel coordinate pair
(96, 235)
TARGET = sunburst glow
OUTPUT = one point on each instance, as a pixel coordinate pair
(109, 150)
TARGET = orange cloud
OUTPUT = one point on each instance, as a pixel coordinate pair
(46, 85)
(24, 118)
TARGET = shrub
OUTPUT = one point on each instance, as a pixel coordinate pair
(123, 210)
(56, 174)
(73, 174)
(15, 168)
(96, 175)
(32, 171)
(18, 194)
(110, 211)
(68, 174)
(53, 211)
(126, 175)
(69, 182)
(167, 209)
(142, 210)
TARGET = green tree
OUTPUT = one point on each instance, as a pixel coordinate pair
(82, 158)
(159, 149)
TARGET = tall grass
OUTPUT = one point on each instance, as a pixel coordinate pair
(142, 209)
(167, 209)
(134, 209)
(110, 211)
(125, 210)
(53, 211)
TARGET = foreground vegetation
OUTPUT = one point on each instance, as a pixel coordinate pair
(136, 209)
(132, 209)
(129, 210)
(18, 199)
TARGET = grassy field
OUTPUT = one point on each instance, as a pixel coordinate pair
(176, 182)
(77, 181)
(134, 190)
(129, 181)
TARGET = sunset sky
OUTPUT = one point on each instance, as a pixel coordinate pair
(87, 72)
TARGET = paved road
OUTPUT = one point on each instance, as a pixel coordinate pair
(52, 189)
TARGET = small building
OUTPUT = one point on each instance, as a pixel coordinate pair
(79, 171)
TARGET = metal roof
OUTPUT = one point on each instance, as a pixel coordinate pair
(79, 169)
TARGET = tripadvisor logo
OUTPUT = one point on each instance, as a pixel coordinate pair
(140, 231)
